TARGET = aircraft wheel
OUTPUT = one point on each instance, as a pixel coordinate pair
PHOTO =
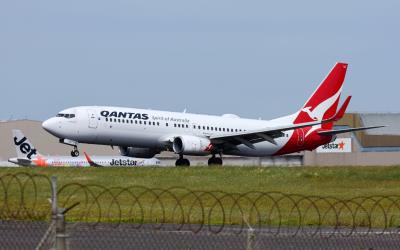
(182, 162)
(214, 161)
(186, 162)
(75, 153)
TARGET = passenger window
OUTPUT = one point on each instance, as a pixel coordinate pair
(212, 128)
(199, 127)
(106, 119)
(154, 123)
(144, 122)
(223, 129)
(140, 122)
(166, 124)
(158, 124)
(208, 128)
(119, 120)
(187, 126)
(135, 121)
(123, 121)
(204, 128)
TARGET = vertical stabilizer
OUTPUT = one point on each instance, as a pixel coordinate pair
(324, 101)
(24, 148)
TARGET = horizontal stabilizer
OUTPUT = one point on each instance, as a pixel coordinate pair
(341, 131)
(343, 109)
(20, 161)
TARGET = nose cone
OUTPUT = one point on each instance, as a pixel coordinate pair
(50, 126)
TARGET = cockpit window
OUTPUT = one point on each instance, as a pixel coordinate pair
(68, 116)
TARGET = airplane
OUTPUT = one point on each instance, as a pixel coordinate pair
(145, 133)
(27, 155)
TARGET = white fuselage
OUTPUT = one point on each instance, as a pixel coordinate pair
(68, 161)
(129, 127)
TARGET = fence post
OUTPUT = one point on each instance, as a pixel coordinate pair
(58, 217)
(251, 239)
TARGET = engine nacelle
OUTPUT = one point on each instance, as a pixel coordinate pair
(191, 145)
(138, 152)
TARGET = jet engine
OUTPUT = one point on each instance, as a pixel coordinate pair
(190, 145)
(138, 152)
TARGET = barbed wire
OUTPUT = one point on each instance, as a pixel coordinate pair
(179, 208)
(24, 196)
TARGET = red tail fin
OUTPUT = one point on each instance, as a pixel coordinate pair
(324, 101)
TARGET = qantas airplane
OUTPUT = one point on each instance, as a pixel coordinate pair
(145, 133)
(27, 155)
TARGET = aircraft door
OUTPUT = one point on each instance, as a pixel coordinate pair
(300, 137)
(93, 121)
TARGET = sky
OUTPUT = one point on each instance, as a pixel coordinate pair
(256, 59)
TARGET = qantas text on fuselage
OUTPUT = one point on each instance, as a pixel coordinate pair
(144, 133)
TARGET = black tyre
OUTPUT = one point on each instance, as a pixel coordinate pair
(186, 162)
(76, 153)
(214, 161)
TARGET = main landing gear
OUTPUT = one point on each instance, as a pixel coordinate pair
(215, 161)
(185, 162)
(75, 152)
(182, 162)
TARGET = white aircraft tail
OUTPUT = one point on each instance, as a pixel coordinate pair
(25, 149)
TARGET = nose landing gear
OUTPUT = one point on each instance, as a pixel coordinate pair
(75, 152)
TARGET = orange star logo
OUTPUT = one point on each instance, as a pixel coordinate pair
(341, 145)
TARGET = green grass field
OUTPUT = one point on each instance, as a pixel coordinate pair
(338, 182)
(341, 182)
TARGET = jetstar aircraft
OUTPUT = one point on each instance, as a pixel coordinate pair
(27, 155)
(145, 133)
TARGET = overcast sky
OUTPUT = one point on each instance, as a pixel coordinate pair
(251, 58)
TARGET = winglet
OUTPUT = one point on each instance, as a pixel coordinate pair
(339, 115)
(89, 160)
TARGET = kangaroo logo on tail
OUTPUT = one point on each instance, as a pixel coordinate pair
(310, 113)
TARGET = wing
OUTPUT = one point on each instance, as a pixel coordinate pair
(248, 138)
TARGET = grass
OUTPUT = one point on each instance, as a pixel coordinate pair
(338, 182)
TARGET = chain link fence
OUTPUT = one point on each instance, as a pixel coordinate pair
(36, 214)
